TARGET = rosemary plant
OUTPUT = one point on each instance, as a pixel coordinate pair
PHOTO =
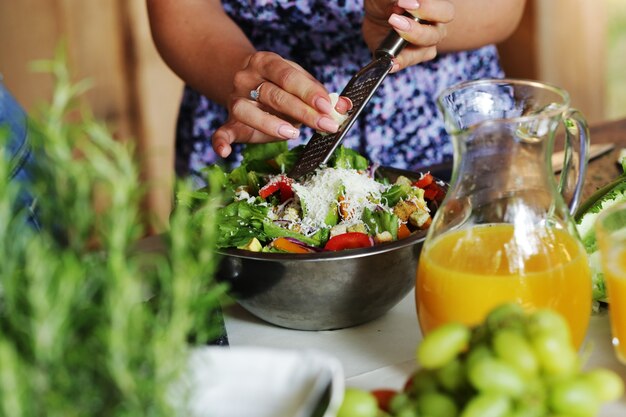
(89, 324)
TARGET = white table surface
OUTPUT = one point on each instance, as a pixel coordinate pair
(381, 354)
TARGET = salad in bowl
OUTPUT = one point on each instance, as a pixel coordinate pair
(343, 205)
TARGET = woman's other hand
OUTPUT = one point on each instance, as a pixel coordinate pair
(286, 97)
(384, 15)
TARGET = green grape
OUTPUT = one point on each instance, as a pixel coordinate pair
(436, 405)
(607, 385)
(548, 322)
(423, 381)
(399, 402)
(487, 405)
(533, 401)
(358, 403)
(575, 397)
(477, 354)
(510, 316)
(451, 376)
(407, 412)
(555, 354)
(529, 410)
(443, 345)
(495, 375)
(480, 335)
(513, 348)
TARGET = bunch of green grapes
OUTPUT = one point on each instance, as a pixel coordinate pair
(512, 365)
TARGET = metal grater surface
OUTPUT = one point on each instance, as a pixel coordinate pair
(360, 90)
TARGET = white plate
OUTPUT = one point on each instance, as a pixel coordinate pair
(259, 382)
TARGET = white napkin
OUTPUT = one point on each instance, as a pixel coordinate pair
(257, 382)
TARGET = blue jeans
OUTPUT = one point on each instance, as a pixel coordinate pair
(19, 150)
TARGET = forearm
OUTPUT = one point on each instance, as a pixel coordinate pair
(200, 43)
(481, 22)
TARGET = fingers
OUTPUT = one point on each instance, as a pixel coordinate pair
(423, 37)
(290, 105)
(228, 133)
(286, 95)
(262, 121)
(411, 56)
(344, 104)
(294, 80)
(436, 11)
(418, 34)
(259, 126)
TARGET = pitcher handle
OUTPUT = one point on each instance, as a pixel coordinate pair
(576, 157)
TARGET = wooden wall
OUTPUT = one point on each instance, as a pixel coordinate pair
(563, 42)
(560, 41)
(109, 42)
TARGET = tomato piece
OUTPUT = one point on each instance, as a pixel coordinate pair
(430, 193)
(424, 181)
(403, 231)
(350, 240)
(289, 246)
(440, 194)
(434, 192)
(281, 184)
(383, 397)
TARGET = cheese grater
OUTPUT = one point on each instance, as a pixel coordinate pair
(359, 90)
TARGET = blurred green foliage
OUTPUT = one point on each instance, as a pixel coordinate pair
(89, 324)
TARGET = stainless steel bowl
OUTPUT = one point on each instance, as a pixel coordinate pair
(326, 290)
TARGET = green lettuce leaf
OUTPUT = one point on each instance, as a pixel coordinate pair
(380, 221)
(348, 158)
(239, 222)
(263, 151)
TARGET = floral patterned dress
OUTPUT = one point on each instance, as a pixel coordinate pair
(400, 127)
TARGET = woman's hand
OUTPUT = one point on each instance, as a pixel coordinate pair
(287, 97)
(383, 15)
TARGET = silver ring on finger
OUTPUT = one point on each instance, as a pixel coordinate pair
(256, 93)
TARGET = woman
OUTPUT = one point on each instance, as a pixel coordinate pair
(260, 70)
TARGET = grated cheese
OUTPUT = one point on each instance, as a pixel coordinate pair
(320, 191)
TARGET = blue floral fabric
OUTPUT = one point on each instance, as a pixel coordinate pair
(400, 127)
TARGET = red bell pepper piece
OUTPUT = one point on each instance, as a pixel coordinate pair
(281, 184)
(424, 181)
(350, 240)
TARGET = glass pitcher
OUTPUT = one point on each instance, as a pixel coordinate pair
(504, 232)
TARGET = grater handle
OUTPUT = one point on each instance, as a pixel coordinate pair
(393, 44)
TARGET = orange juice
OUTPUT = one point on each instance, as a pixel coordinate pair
(463, 274)
(614, 269)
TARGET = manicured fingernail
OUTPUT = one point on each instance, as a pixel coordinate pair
(288, 132)
(395, 67)
(323, 105)
(400, 22)
(328, 124)
(220, 150)
(408, 4)
(344, 104)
